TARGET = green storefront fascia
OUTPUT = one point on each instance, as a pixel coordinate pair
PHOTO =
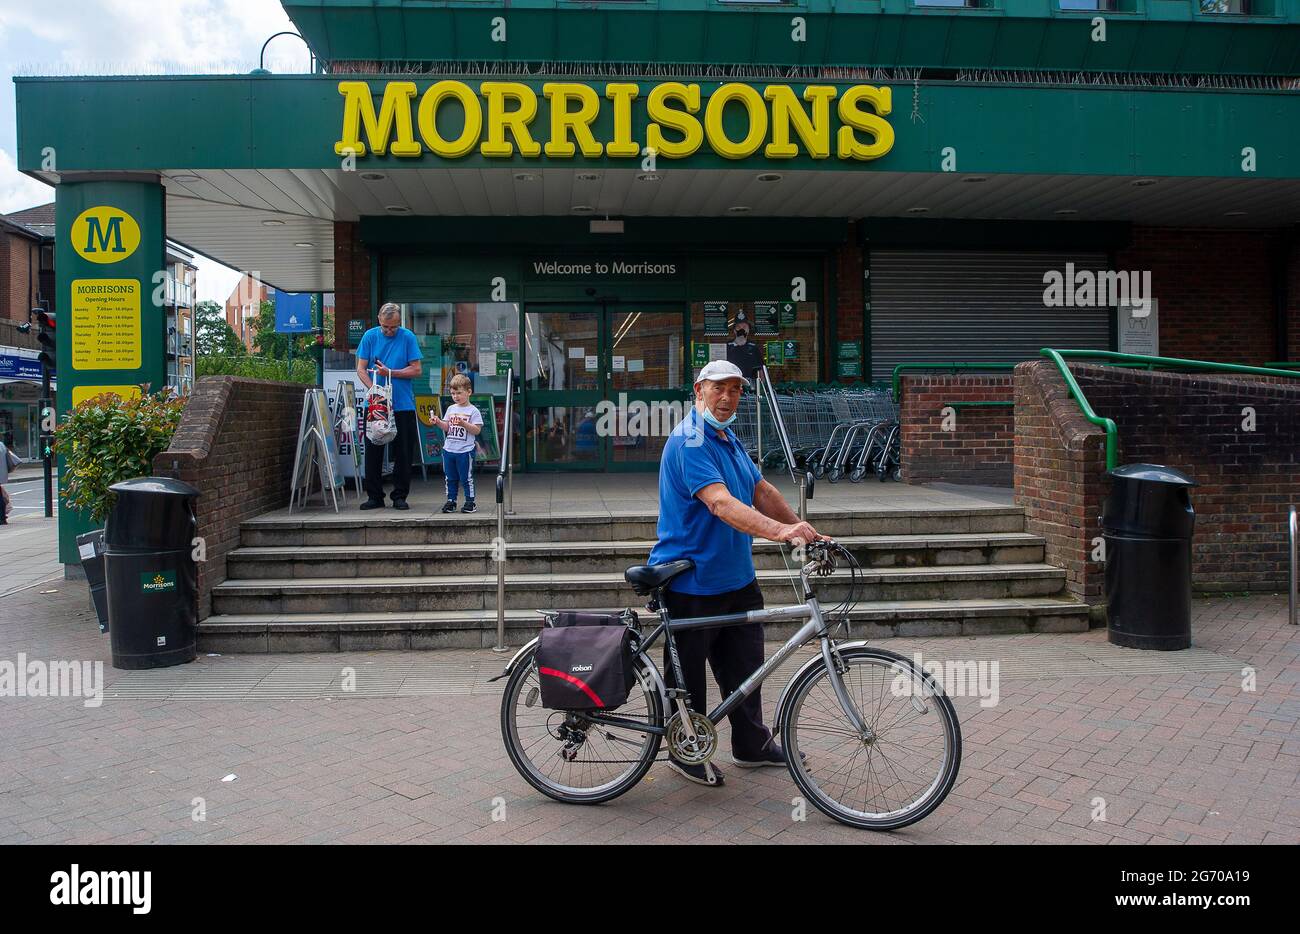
(293, 122)
(144, 202)
(1171, 36)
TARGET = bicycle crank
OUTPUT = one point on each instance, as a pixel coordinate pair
(688, 750)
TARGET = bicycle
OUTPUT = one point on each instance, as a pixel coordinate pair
(837, 718)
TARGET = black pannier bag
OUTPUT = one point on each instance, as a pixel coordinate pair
(584, 660)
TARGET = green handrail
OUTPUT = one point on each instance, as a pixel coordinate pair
(1112, 433)
(954, 367)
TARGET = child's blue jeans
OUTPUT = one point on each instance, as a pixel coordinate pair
(458, 471)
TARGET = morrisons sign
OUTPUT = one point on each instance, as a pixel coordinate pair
(671, 120)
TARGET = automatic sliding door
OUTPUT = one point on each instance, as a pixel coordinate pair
(646, 366)
(564, 385)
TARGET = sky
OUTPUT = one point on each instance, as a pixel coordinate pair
(71, 37)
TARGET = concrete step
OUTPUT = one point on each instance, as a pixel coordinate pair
(530, 591)
(876, 551)
(364, 631)
(386, 529)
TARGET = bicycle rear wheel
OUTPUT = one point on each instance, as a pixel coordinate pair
(566, 755)
(898, 777)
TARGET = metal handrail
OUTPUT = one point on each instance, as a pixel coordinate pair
(803, 482)
(1292, 536)
(505, 497)
(1112, 431)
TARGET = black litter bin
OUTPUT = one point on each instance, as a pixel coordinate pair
(90, 548)
(1147, 524)
(152, 579)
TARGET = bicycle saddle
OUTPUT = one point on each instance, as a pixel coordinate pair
(645, 578)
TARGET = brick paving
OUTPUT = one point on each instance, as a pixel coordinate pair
(1177, 756)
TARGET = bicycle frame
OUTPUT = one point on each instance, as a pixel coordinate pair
(814, 628)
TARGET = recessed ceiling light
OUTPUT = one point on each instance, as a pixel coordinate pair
(648, 177)
(185, 177)
(972, 179)
(582, 209)
(397, 209)
(588, 176)
(525, 177)
(918, 210)
(770, 177)
(1143, 182)
(1065, 211)
(374, 176)
(739, 209)
(304, 243)
(273, 223)
(1234, 213)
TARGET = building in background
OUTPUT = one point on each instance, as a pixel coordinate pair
(26, 282)
(243, 306)
(26, 261)
(179, 302)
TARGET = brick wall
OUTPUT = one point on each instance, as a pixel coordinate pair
(846, 266)
(235, 444)
(1059, 461)
(1293, 300)
(1215, 290)
(351, 281)
(19, 262)
(848, 284)
(1188, 421)
(972, 445)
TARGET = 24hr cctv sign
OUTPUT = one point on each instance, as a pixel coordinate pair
(499, 118)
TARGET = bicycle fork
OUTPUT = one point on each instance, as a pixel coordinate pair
(834, 670)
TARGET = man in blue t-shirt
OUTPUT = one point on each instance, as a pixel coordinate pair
(712, 502)
(393, 351)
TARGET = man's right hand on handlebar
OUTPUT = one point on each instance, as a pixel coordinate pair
(800, 533)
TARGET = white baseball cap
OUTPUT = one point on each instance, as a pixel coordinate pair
(719, 370)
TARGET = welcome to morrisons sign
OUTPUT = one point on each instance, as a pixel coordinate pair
(671, 120)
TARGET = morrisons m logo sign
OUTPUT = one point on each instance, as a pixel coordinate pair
(105, 234)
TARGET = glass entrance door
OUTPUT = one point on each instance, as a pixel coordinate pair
(600, 383)
(646, 383)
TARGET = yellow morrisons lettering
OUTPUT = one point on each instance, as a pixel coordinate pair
(498, 120)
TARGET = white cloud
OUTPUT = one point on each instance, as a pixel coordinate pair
(18, 191)
(67, 37)
(147, 36)
(214, 282)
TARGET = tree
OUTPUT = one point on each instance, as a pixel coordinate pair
(213, 335)
(267, 343)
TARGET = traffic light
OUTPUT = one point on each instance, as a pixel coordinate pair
(46, 339)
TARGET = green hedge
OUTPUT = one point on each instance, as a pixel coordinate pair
(304, 370)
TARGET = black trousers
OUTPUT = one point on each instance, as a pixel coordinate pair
(733, 652)
(402, 450)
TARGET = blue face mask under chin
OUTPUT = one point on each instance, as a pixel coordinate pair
(708, 417)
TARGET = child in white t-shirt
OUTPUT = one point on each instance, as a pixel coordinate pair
(461, 424)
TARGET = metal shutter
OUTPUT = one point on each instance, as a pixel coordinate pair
(971, 306)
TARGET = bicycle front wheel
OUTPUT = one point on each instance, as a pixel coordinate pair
(570, 757)
(899, 775)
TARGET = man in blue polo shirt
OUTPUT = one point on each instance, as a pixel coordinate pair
(393, 351)
(712, 502)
